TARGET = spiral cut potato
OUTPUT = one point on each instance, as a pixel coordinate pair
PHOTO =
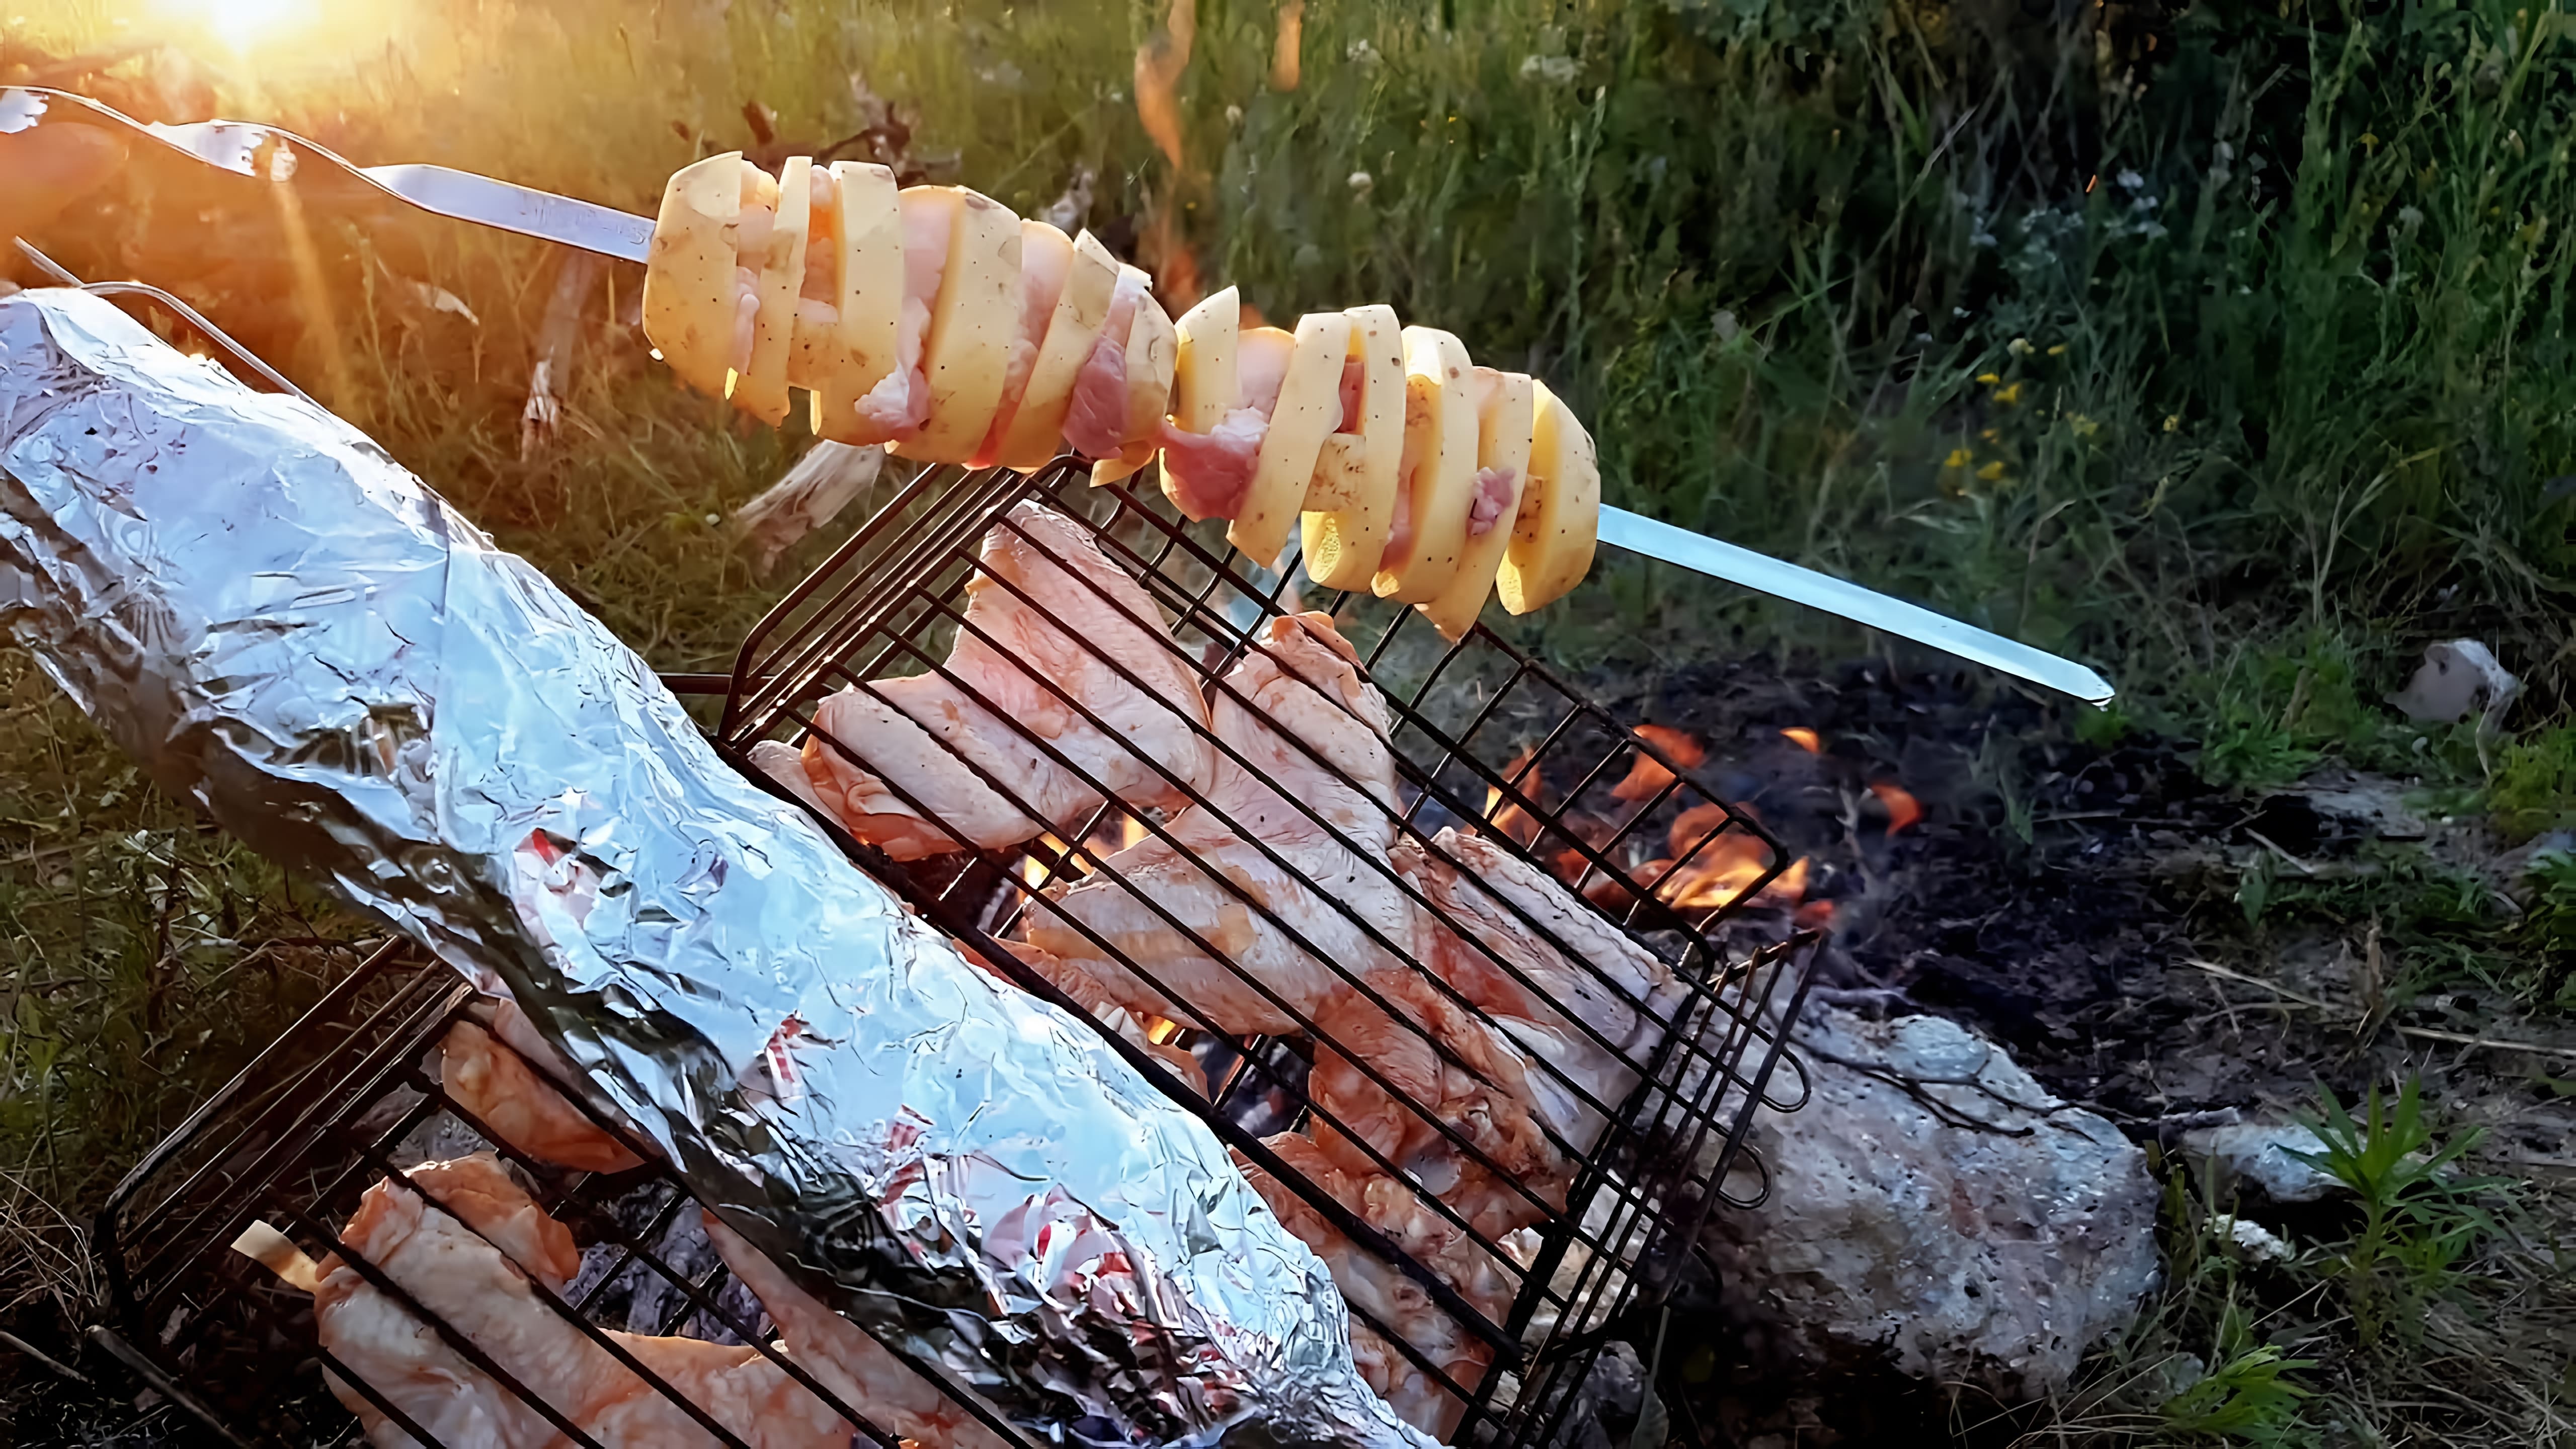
(935, 322)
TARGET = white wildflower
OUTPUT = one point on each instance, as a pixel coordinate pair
(1234, 115)
(2130, 180)
(1361, 181)
(1361, 53)
(1556, 70)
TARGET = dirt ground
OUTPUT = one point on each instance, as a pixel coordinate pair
(2079, 903)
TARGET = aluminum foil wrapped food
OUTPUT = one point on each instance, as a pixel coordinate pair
(285, 627)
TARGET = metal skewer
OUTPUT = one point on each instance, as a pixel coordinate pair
(253, 150)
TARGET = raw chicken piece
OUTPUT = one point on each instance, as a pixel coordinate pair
(1087, 993)
(736, 1384)
(1485, 1097)
(1383, 1291)
(1096, 423)
(1615, 987)
(786, 764)
(1305, 677)
(1032, 670)
(509, 1096)
(843, 1358)
(1207, 474)
(481, 1289)
(942, 781)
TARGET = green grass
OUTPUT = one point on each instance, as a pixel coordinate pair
(2355, 1327)
(2226, 347)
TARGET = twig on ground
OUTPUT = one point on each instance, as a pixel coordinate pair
(826, 480)
(2420, 1033)
(557, 338)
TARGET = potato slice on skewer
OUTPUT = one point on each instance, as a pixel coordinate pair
(1308, 410)
(1506, 403)
(1351, 500)
(692, 296)
(761, 390)
(1560, 517)
(1033, 432)
(863, 342)
(1203, 376)
(966, 350)
(1439, 482)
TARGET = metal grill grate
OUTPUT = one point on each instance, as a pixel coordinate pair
(1484, 739)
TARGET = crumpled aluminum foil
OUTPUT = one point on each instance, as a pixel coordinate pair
(284, 626)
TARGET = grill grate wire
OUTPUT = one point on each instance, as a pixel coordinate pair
(330, 1107)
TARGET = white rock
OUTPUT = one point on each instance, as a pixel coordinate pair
(2457, 676)
(1991, 1241)
(2258, 1243)
(2258, 1154)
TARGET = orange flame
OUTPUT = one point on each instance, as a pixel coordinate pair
(1037, 869)
(1647, 775)
(1804, 738)
(1285, 58)
(1902, 808)
(1159, 63)
(1522, 775)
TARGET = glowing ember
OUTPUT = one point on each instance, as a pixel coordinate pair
(1804, 738)
(1648, 775)
(1159, 1030)
(1902, 808)
(1522, 775)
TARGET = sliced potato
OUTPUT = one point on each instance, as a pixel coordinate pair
(1440, 413)
(689, 271)
(1309, 409)
(1351, 500)
(1153, 362)
(1203, 372)
(1035, 433)
(967, 350)
(762, 389)
(866, 342)
(1506, 405)
(1560, 517)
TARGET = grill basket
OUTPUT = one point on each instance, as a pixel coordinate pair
(1485, 740)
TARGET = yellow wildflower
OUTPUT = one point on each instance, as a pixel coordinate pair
(2008, 395)
(1959, 458)
(1991, 473)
